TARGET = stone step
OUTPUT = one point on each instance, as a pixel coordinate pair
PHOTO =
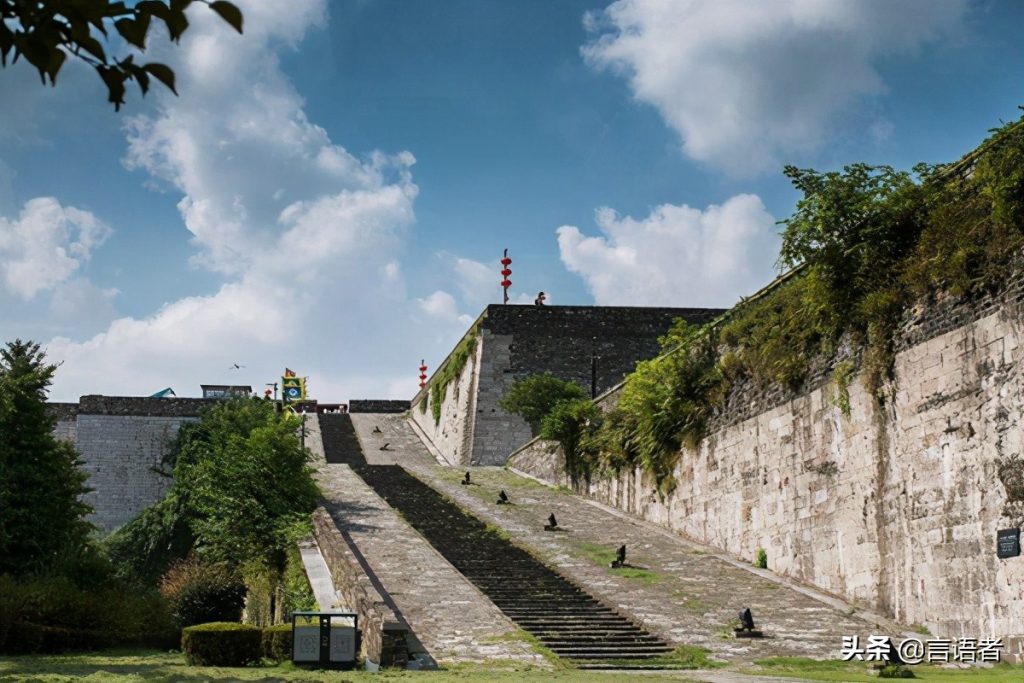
(568, 638)
(607, 655)
(539, 611)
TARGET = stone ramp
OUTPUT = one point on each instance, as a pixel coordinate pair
(677, 590)
(568, 621)
(451, 619)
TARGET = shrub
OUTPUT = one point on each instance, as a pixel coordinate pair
(761, 561)
(54, 615)
(222, 644)
(200, 593)
(570, 423)
(23, 638)
(277, 642)
(534, 397)
(895, 671)
(298, 594)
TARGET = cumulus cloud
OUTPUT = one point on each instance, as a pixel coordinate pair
(46, 244)
(747, 84)
(305, 234)
(676, 256)
(442, 305)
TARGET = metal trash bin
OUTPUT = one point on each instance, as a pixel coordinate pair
(329, 640)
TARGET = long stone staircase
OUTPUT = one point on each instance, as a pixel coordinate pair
(567, 620)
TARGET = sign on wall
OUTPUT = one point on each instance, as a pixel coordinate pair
(1007, 543)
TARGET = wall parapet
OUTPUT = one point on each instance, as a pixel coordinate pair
(383, 638)
(139, 406)
(374, 405)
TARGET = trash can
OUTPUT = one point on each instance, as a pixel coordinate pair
(329, 640)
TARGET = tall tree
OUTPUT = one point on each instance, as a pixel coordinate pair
(42, 515)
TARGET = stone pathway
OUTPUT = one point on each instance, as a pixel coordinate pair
(451, 618)
(684, 594)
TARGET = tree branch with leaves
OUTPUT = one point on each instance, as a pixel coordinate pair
(45, 32)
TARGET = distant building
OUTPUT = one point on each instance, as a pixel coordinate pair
(225, 390)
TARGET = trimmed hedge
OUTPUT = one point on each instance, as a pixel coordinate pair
(222, 643)
(277, 642)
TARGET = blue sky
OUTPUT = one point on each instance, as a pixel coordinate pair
(333, 189)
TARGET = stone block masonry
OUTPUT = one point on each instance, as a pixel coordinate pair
(123, 442)
(595, 347)
(371, 405)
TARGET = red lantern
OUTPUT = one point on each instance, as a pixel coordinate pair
(505, 272)
(423, 374)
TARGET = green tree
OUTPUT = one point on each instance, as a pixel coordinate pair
(45, 32)
(248, 482)
(534, 397)
(571, 422)
(242, 491)
(853, 226)
(42, 515)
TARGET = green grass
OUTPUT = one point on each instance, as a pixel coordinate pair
(132, 666)
(858, 672)
(683, 657)
(603, 555)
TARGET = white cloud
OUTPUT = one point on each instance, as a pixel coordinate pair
(478, 282)
(46, 244)
(442, 305)
(306, 235)
(676, 256)
(746, 84)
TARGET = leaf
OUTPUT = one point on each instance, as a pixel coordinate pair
(176, 23)
(57, 58)
(229, 13)
(153, 8)
(134, 30)
(114, 78)
(6, 42)
(162, 73)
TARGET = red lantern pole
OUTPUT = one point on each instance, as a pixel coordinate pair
(505, 272)
(423, 374)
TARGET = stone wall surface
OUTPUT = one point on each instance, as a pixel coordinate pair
(123, 441)
(894, 505)
(452, 436)
(124, 456)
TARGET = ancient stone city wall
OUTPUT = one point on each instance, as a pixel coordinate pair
(895, 507)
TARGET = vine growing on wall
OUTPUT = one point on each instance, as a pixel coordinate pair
(450, 371)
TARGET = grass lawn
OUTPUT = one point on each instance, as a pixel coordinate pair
(856, 672)
(139, 665)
